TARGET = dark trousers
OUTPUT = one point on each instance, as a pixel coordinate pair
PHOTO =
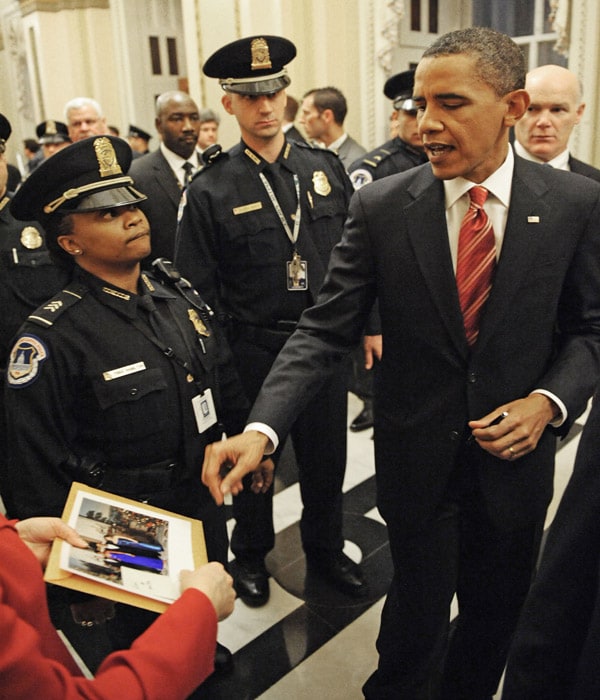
(459, 550)
(319, 440)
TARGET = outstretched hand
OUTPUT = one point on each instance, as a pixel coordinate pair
(228, 461)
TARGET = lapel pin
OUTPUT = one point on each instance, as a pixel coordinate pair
(533, 219)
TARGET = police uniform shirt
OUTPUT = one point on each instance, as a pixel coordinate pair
(395, 156)
(27, 274)
(231, 243)
(86, 386)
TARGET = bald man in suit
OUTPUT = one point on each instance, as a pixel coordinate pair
(556, 107)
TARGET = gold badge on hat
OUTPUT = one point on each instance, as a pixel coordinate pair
(260, 55)
(198, 324)
(31, 238)
(321, 183)
(107, 158)
(51, 127)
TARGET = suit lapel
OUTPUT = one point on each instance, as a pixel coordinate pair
(523, 238)
(166, 179)
(428, 233)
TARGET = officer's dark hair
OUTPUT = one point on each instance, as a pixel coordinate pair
(330, 98)
(500, 62)
(59, 224)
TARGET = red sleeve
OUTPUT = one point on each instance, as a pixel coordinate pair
(167, 662)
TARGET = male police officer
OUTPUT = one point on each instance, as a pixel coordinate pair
(254, 238)
(405, 149)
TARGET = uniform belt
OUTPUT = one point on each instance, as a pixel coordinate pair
(133, 481)
(272, 338)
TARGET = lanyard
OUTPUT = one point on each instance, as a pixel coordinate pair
(153, 337)
(292, 235)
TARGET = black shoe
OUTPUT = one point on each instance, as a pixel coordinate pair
(339, 570)
(364, 419)
(223, 659)
(251, 583)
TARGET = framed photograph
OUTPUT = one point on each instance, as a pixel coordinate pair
(135, 551)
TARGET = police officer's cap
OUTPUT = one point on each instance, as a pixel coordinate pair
(52, 131)
(85, 176)
(399, 88)
(252, 66)
(5, 132)
(135, 131)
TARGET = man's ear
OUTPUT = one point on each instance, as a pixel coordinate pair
(517, 103)
(226, 102)
(327, 116)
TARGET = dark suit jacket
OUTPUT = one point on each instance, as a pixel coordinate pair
(153, 176)
(557, 643)
(578, 166)
(540, 330)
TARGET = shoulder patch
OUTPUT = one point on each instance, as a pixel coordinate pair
(25, 361)
(47, 314)
(360, 177)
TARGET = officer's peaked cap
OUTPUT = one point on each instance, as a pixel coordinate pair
(85, 176)
(252, 66)
(400, 88)
(136, 131)
(52, 131)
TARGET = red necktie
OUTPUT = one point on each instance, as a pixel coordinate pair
(476, 262)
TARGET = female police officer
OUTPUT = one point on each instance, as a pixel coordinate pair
(120, 380)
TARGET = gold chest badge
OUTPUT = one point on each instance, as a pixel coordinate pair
(321, 183)
(198, 323)
(31, 238)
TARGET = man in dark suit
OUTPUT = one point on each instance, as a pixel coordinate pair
(162, 174)
(555, 649)
(556, 106)
(465, 417)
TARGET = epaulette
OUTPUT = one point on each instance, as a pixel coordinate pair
(377, 157)
(47, 314)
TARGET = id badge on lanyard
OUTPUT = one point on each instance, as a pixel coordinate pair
(204, 410)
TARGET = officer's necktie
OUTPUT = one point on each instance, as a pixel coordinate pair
(283, 187)
(189, 169)
(476, 262)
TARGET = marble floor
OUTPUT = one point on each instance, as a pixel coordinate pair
(309, 641)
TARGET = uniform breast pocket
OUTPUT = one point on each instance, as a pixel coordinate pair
(327, 220)
(132, 406)
(255, 237)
